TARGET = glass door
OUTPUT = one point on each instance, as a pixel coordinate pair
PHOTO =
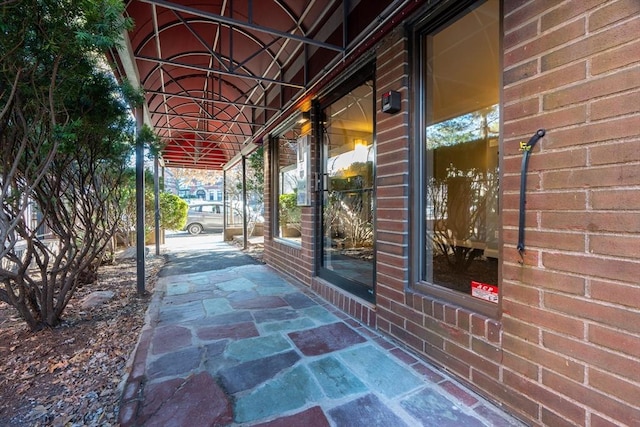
(348, 195)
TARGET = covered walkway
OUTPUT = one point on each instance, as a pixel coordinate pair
(229, 341)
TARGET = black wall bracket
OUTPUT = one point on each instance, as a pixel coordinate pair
(526, 152)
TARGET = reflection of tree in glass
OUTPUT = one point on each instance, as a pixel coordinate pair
(255, 190)
(479, 124)
(464, 211)
(290, 214)
(349, 213)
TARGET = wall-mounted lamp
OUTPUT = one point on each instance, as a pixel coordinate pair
(305, 116)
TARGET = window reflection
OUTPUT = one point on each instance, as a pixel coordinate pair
(289, 213)
(348, 196)
(461, 143)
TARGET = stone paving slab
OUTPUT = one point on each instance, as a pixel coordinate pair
(244, 346)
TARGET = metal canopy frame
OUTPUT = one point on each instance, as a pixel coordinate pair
(217, 74)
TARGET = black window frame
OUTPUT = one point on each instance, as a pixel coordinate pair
(433, 18)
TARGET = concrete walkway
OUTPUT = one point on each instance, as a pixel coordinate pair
(238, 344)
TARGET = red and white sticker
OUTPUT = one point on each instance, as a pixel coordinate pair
(484, 291)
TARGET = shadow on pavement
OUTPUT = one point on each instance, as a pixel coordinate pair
(198, 256)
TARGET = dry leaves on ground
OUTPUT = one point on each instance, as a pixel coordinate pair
(69, 375)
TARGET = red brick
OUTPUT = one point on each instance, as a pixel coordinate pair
(393, 287)
(602, 176)
(614, 386)
(389, 249)
(545, 319)
(394, 238)
(478, 325)
(512, 183)
(395, 141)
(451, 363)
(589, 133)
(550, 160)
(386, 121)
(626, 103)
(546, 82)
(550, 418)
(593, 88)
(544, 279)
(520, 329)
(599, 402)
(438, 310)
(592, 355)
(547, 200)
(392, 226)
(589, 309)
(519, 403)
(407, 338)
(407, 313)
(487, 350)
(395, 214)
(386, 292)
(613, 59)
(585, 47)
(520, 365)
(548, 398)
(616, 293)
(598, 421)
(628, 222)
(520, 35)
(621, 246)
(591, 266)
(528, 295)
(427, 335)
(555, 240)
(392, 65)
(520, 72)
(522, 108)
(520, 11)
(397, 168)
(618, 153)
(392, 180)
(613, 12)
(543, 357)
(565, 12)
(545, 42)
(552, 120)
(615, 340)
(615, 199)
(471, 359)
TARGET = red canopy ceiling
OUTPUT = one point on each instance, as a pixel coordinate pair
(218, 73)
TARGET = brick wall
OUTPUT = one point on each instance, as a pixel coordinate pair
(565, 347)
(392, 184)
(571, 311)
(564, 350)
(465, 343)
(293, 260)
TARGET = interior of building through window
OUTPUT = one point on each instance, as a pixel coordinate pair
(462, 134)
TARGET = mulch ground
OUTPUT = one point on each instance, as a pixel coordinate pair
(70, 375)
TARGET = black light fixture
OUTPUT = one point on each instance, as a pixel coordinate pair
(305, 116)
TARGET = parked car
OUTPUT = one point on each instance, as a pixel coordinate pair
(204, 216)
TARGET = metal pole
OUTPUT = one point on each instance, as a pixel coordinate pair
(156, 193)
(245, 240)
(225, 211)
(140, 207)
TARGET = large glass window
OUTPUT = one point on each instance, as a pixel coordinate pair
(289, 214)
(348, 198)
(460, 133)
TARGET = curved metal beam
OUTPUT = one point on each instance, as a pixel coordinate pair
(214, 71)
(238, 23)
